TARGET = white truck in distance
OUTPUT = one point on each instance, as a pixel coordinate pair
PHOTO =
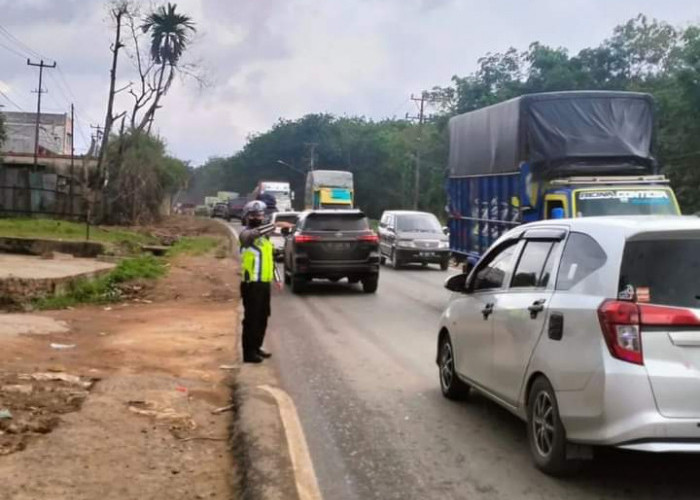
(280, 190)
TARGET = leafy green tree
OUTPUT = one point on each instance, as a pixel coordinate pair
(141, 176)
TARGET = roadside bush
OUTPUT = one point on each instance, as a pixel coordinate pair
(105, 289)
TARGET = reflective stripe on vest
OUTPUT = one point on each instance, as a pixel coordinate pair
(257, 261)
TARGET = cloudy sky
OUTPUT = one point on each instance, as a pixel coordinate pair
(267, 59)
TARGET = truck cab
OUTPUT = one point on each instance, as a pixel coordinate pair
(598, 196)
(329, 189)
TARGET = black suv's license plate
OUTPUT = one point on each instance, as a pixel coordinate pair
(426, 254)
(339, 246)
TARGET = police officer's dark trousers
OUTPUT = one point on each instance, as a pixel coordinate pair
(256, 305)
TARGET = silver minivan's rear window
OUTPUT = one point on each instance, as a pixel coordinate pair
(662, 271)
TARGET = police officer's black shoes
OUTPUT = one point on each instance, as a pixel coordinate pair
(252, 358)
(264, 354)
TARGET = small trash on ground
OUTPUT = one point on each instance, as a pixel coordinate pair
(5, 414)
(18, 388)
(153, 410)
(62, 346)
(107, 309)
(63, 377)
(223, 409)
(180, 388)
(227, 367)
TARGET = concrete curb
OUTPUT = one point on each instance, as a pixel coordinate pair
(259, 440)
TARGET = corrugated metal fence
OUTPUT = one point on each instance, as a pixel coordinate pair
(27, 192)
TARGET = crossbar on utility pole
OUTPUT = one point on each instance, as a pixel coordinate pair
(39, 91)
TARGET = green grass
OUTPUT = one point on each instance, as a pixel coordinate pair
(25, 227)
(194, 245)
(105, 289)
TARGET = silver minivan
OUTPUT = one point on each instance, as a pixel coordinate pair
(407, 237)
(588, 329)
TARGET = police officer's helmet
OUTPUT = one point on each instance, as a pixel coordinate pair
(255, 207)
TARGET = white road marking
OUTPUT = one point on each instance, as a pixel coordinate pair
(304, 473)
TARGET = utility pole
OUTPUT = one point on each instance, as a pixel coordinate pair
(39, 91)
(98, 133)
(312, 154)
(424, 96)
(72, 159)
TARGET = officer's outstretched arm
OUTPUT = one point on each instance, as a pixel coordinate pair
(248, 237)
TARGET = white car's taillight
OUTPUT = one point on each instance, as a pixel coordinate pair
(622, 324)
(621, 329)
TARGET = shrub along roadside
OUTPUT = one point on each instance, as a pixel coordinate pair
(105, 289)
(25, 227)
(194, 245)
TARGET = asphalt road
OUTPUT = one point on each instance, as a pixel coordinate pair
(361, 371)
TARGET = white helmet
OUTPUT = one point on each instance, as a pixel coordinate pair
(255, 206)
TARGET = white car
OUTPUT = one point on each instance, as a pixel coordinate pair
(280, 235)
(588, 329)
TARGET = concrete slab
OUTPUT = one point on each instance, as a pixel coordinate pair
(36, 268)
(27, 277)
(12, 325)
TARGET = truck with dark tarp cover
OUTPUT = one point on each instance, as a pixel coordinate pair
(551, 155)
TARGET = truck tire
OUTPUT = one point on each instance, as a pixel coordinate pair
(445, 264)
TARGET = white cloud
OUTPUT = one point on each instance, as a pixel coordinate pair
(284, 58)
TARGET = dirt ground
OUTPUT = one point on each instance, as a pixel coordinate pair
(121, 403)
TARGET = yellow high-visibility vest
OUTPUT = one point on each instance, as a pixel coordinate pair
(258, 262)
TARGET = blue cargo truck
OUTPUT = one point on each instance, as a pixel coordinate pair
(551, 155)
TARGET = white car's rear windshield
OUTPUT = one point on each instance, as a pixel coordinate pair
(612, 201)
(662, 271)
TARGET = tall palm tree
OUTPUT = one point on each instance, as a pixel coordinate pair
(170, 33)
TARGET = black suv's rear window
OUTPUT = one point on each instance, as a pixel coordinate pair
(662, 271)
(336, 222)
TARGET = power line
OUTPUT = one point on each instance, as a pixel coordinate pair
(11, 101)
(26, 48)
(81, 130)
(13, 51)
(61, 82)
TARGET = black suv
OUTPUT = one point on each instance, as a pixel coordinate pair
(332, 244)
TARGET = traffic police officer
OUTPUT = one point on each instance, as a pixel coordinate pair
(258, 271)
